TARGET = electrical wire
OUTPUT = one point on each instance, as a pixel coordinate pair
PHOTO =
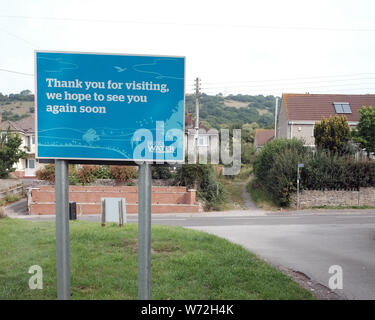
(242, 26)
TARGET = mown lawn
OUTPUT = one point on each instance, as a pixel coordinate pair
(186, 264)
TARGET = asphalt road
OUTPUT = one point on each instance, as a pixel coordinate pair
(305, 241)
(312, 244)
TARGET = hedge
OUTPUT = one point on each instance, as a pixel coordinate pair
(275, 169)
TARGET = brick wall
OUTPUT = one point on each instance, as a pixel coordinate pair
(88, 199)
(312, 198)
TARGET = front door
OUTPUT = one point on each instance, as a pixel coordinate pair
(30, 168)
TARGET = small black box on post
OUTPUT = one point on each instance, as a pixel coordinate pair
(72, 210)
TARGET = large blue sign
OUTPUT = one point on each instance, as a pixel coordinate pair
(109, 107)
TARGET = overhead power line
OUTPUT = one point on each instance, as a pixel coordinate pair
(291, 79)
(32, 45)
(17, 72)
(243, 26)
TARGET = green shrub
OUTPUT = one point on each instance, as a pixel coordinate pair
(266, 157)
(329, 171)
(11, 198)
(332, 133)
(161, 172)
(275, 167)
(324, 170)
(203, 178)
(102, 172)
(283, 175)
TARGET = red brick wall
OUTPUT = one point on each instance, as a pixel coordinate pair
(88, 199)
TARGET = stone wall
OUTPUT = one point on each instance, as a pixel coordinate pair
(12, 187)
(314, 198)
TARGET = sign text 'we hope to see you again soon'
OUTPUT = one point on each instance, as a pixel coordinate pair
(109, 106)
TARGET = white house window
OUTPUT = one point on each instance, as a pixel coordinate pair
(203, 141)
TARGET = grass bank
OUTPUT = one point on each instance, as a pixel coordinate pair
(233, 186)
(186, 264)
(260, 196)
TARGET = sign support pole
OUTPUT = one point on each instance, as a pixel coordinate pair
(62, 229)
(144, 231)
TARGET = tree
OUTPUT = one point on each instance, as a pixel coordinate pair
(10, 152)
(365, 131)
(332, 133)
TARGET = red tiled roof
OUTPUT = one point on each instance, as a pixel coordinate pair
(262, 136)
(316, 106)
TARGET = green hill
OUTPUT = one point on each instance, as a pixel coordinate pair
(15, 107)
(218, 111)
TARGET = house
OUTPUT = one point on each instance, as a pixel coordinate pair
(25, 127)
(262, 136)
(208, 139)
(298, 113)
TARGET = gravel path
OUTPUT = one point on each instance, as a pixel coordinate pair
(248, 202)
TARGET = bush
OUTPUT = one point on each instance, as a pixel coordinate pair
(323, 170)
(161, 172)
(332, 133)
(329, 171)
(46, 173)
(275, 167)
(86, 174)
(102, 172)
(265, 159)
(203, 178)
(283, 175)
(123, 173)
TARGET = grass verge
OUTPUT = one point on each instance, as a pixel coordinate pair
(233, 187)
(186, 264)
(260, 196)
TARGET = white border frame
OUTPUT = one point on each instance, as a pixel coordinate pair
(112, 54)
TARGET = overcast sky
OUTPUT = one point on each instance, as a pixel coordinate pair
(248, 47)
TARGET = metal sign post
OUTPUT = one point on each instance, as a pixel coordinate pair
(300, 165)
(144, 231)
(62, 229)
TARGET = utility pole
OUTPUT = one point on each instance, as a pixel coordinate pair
(276, 107)
(197, 96)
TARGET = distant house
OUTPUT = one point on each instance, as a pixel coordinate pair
(262, 136)
(25, 127)
(298, 113)
(208, 139)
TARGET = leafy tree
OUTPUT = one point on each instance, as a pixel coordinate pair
(365, 131)
(10, 152)
(332, 134)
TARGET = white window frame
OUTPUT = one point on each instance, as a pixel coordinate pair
(204, 143)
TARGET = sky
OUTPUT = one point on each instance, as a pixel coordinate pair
(247, 47)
